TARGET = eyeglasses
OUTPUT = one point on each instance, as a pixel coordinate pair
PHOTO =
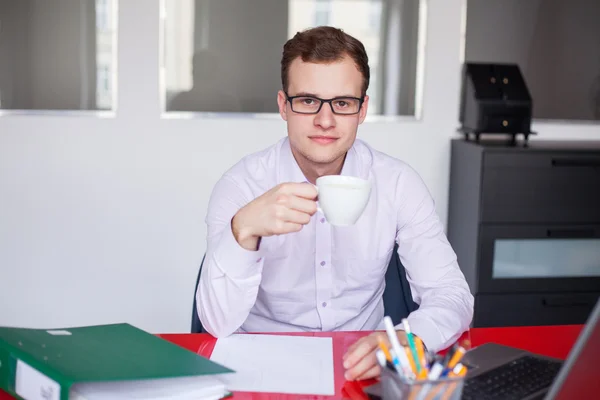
(312, 105)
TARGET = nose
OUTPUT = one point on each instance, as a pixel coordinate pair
(325, 118)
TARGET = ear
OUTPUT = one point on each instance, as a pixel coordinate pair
(363, 110)
(282, 104)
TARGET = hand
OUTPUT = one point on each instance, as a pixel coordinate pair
(360, 361)
(283, 209)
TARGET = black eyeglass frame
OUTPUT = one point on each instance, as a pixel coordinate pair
(361, 100)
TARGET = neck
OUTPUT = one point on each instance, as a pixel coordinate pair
(312, 170)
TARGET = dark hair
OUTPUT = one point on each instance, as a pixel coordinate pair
(324, 44)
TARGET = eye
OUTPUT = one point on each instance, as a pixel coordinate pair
(308, 101)
(341, 103)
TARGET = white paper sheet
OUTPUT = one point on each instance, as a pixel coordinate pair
(277, 363)
(178, 388)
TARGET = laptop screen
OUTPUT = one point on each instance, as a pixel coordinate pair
(579, 378)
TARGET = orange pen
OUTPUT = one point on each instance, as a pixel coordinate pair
(460, 351)
(458, 370)
(411, 360)
(384, 348)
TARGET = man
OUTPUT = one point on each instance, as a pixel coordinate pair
(273, 263)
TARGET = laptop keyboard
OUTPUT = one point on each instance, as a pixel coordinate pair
(515, 380)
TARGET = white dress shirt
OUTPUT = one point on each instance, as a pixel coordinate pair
(326, 278)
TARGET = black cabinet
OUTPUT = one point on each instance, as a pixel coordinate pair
(524, 220)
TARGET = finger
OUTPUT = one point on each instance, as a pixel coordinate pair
(402, 338)
(363, 366)
(288, 227)
(373, 372)
(293, 216)
(353, 346)
(302, 204)
(362, 350)
(304, 190)
(375, 336)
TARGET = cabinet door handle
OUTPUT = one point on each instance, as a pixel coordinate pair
(570, 233)
(576, 162)
(568, 302)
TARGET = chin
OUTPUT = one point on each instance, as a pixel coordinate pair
(324, 157)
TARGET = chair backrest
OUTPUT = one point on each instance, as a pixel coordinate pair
(196, 323)
(397, 297)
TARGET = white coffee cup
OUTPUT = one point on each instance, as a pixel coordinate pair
(342, 198)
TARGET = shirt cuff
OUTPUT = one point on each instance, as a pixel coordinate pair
(234, 260)
(426, 330)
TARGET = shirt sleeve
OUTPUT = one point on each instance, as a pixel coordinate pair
(230, 274)
(437, 283)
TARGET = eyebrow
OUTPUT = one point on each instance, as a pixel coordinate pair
(307, 94)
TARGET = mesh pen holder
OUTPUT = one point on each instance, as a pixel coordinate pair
(394, 387)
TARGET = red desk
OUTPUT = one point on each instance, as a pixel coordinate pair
(554, 341)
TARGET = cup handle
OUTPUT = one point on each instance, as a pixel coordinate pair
(319, 209)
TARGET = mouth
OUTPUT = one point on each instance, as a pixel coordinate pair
(323, 139)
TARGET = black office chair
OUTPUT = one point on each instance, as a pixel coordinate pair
(397, 298)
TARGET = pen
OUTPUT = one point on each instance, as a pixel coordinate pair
(458, 353)
(400, 360)
(449, 391)
(395, 364)
(458, 370)
(437, 368)
(384, 349)
(411, 361)
(381, 358)
(383, 363)
(411, 344)
(421, 353)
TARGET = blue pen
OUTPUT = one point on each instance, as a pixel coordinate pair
(439, 367)
(436, 370)
(396, 362)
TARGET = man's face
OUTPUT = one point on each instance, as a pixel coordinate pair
(325, 137)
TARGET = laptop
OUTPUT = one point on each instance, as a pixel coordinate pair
(502, 372)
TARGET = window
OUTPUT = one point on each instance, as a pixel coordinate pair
(321, 13)
(103, 87)
(51, 53)
(546, 258)
(102, 14)
(375, 15)
(207, 66)
(105, 60)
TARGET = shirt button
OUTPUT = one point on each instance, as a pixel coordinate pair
(322, 220)
(259, 260)
(324, 304)
(322, 263)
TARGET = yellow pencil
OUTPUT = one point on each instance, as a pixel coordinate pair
(385, 350)
(460, 351)
(458, 370)
(411, 360)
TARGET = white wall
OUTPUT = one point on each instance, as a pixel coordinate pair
(101, 220)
